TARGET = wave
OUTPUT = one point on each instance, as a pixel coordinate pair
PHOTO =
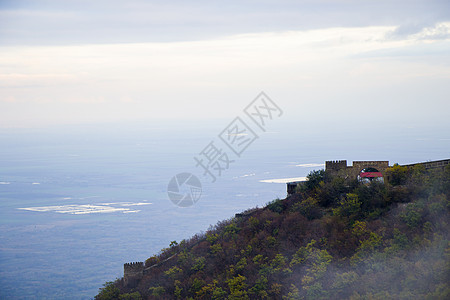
(284, 180)
(81, 209)
(311, 165)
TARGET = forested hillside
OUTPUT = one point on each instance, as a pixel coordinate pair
(332, 239)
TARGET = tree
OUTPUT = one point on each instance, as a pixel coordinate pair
(314, 178)
(397, 174)
(157, 291)
(362, 245)
(276, 206)
(130, 296)
(349, 207)
(108, 291)
(174, 272)
(309, 208)
(237, 287)
(293, 294)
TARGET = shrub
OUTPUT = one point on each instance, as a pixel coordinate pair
(397, 174)
(151, 261)
(413, 214)
(237, 287)
(108, 291)
(276, 206)
(199, 264)
(309, 208)
(314, 179)
(157, 291)
(130, 296)
(349, 207)
(174, 272)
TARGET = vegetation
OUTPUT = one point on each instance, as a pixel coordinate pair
(333, 239)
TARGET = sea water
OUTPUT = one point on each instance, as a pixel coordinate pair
(77, 202)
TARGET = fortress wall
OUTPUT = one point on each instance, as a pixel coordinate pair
(340, 168)
(432, 164)
(358, 166)
(133, 273)
(336, 167)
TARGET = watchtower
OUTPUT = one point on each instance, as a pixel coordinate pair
(133, 273)
(336, 167)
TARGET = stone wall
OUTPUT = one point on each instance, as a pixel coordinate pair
(340, 168)
(133, 273)
(358, 166)
(432, 164)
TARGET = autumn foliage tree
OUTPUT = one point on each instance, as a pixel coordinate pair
(333, 239)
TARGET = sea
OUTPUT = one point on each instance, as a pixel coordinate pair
(79, 201)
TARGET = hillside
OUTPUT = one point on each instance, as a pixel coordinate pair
(332, 239)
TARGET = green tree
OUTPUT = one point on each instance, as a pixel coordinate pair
(237, 287)
(368, 241)
(131, 296)
(174, 272)
(157, 291)
(212, 291)
(241, 264)
(197, 285)
(199, 264)
(151, 261)
(413, 215)
(294, 293)
(278, 263)
(349, 207)
(276, 206)
(309, 208)
(109, 291)
(260, 287)
(178, 289)
(343, 283)
(397, 174)
(313, 181)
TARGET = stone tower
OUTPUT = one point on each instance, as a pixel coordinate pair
(133, 273)
(336, 168)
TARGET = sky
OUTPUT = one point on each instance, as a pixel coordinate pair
(347, 62)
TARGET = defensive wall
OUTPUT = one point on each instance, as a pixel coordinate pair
(436, 164)
(133, 272)
(339, 168)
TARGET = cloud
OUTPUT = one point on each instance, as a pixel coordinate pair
(438, 31)
(327, 70)
(28, 80)
(51, 22)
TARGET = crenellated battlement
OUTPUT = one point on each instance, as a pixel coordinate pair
(340, 167)
(133, 266)
(336, 167)
(133, 273)
(335, 164)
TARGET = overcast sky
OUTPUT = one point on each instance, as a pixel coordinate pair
(76, 62)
